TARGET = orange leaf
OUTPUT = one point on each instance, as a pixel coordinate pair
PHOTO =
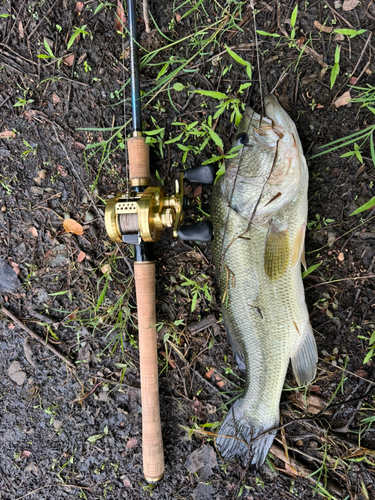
(120, 16)
(81, 256)
(71, 226)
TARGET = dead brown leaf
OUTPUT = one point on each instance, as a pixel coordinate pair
(131, 443)
(178, 17)
(68, 60)
(72, 226)
(349, 5)
(209, 373)
(61, 170)
(343, 100)
(120, 16)
(20, 29)
(322, 27)
(15, 267)
(81, 59)
(55, 98)
(79, 7)
(6, 134)
(34, 232)
(25, 454)
(105, 269)
(81, 256)
(79, 145)
(312, 404)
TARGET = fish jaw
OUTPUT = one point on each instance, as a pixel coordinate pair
(270, 169)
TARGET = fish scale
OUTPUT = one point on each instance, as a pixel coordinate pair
(259, 210)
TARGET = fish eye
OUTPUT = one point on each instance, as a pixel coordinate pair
(242, 138)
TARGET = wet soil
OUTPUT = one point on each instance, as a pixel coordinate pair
(76, 433)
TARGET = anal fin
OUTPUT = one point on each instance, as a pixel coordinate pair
(305, 359)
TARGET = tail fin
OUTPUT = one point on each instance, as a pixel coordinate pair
(305, 359)
(244, 442)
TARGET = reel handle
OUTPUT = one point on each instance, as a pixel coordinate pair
(152, 443)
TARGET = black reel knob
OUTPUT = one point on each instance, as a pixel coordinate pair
(201, 231)
(201, 175)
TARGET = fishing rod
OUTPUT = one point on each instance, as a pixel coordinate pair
(138, 217)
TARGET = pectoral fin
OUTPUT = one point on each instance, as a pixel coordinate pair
(277, 252)
(298, 252)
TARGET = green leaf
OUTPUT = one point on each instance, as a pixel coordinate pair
(364, 207)
(243, 87)
(236, 57)
(93, 439)
(5, 15)
(59, 293)
(48, 48)
(175, 139)
(178, 87)
(214, 95)
(368, 420)
(43, 56)
(368, 356)
(154, 132)
(334, 73)
(220, 110)
(216, 138)
(348, 32)
(372, 150)
(293, 17)
(372, 338)
(220, 172)
(163, 70)
(311, 269)
(239, 59)
(264, 33)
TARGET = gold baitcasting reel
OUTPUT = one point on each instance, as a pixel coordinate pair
(144, 215)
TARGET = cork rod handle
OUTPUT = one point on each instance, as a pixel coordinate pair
(153, 456)
(139, 161)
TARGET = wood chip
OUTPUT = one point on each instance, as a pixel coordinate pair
(120, 16)
(349, 5)
(72, 226)
(322, 27)
(343, 100)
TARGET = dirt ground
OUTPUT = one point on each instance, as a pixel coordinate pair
(76, 433)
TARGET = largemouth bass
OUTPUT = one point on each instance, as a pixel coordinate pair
(259, 211)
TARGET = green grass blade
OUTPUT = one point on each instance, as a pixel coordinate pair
(364, 207)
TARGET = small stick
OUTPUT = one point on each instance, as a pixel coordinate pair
(36, 337)
(146, 16)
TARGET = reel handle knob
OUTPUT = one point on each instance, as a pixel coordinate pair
(201, 175)
(202, 232)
